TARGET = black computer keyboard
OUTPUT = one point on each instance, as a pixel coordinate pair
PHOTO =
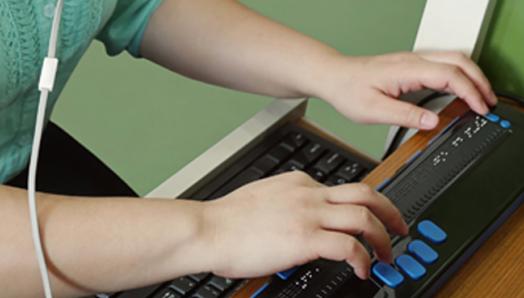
(286, 149)
(197, 285)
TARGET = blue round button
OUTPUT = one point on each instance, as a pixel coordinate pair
(387, 274)
(410, 266)
(431, 231)
(492, 117)
(505, 124)
(423, 251)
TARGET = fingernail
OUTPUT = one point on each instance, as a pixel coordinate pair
(363, 274)
(494, 99)
(484, 109)
(428, 121)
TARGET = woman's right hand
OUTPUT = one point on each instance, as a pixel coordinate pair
(288, 220)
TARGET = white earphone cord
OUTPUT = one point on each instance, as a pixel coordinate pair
(46, 84)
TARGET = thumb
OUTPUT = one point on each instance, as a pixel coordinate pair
(396, 112)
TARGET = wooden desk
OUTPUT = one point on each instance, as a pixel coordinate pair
(495, 270)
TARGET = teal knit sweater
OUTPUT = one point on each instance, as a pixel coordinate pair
(24, 32)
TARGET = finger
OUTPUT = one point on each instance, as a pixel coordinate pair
(341, 247)
(358, 221)
(363, 195)
(449, 78)
(387, 110)
(470, 68)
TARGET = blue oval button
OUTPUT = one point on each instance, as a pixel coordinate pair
(505, 124)
(492, 117)
(431, 231)
(423, 251)
(410, 266)
(387, 274)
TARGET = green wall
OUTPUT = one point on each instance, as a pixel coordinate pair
(146, 122)
(502, 57)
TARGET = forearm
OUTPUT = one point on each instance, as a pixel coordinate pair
(224, 43)
(97, 244)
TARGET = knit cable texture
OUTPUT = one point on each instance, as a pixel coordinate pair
(24, 34)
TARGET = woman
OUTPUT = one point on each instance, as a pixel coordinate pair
(260, 229)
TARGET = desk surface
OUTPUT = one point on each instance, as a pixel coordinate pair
(497, 268)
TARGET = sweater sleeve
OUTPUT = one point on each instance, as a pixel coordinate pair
(125, 28)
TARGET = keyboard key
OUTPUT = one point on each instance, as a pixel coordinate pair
(309, 154)
(291, 166)
(198, 277)
(265, 164)
(423, 251)
(329, 162)
(335, 180)
(505, 124)
(431, 231)
(317, 175)
(241, 179)
(182, 285)
(295, 140)
(387, 274)
(280, 153)
(167, 293)
(286, 274)
(221, 283)
(492, 117)
(329, 183)
(206, 292)
(410, 266)
(135, 293)
(350, 171)
(299, 160)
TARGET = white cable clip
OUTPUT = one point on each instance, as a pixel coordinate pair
(48, 74)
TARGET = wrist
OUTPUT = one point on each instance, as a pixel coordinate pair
(326, 75)
(191, 253)
(210, 237)
(344, 87)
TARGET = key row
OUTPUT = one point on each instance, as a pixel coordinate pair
(411, 262)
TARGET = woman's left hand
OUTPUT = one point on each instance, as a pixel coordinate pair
(366, 89)
(252, 53)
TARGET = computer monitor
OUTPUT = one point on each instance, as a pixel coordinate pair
(454, 25)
